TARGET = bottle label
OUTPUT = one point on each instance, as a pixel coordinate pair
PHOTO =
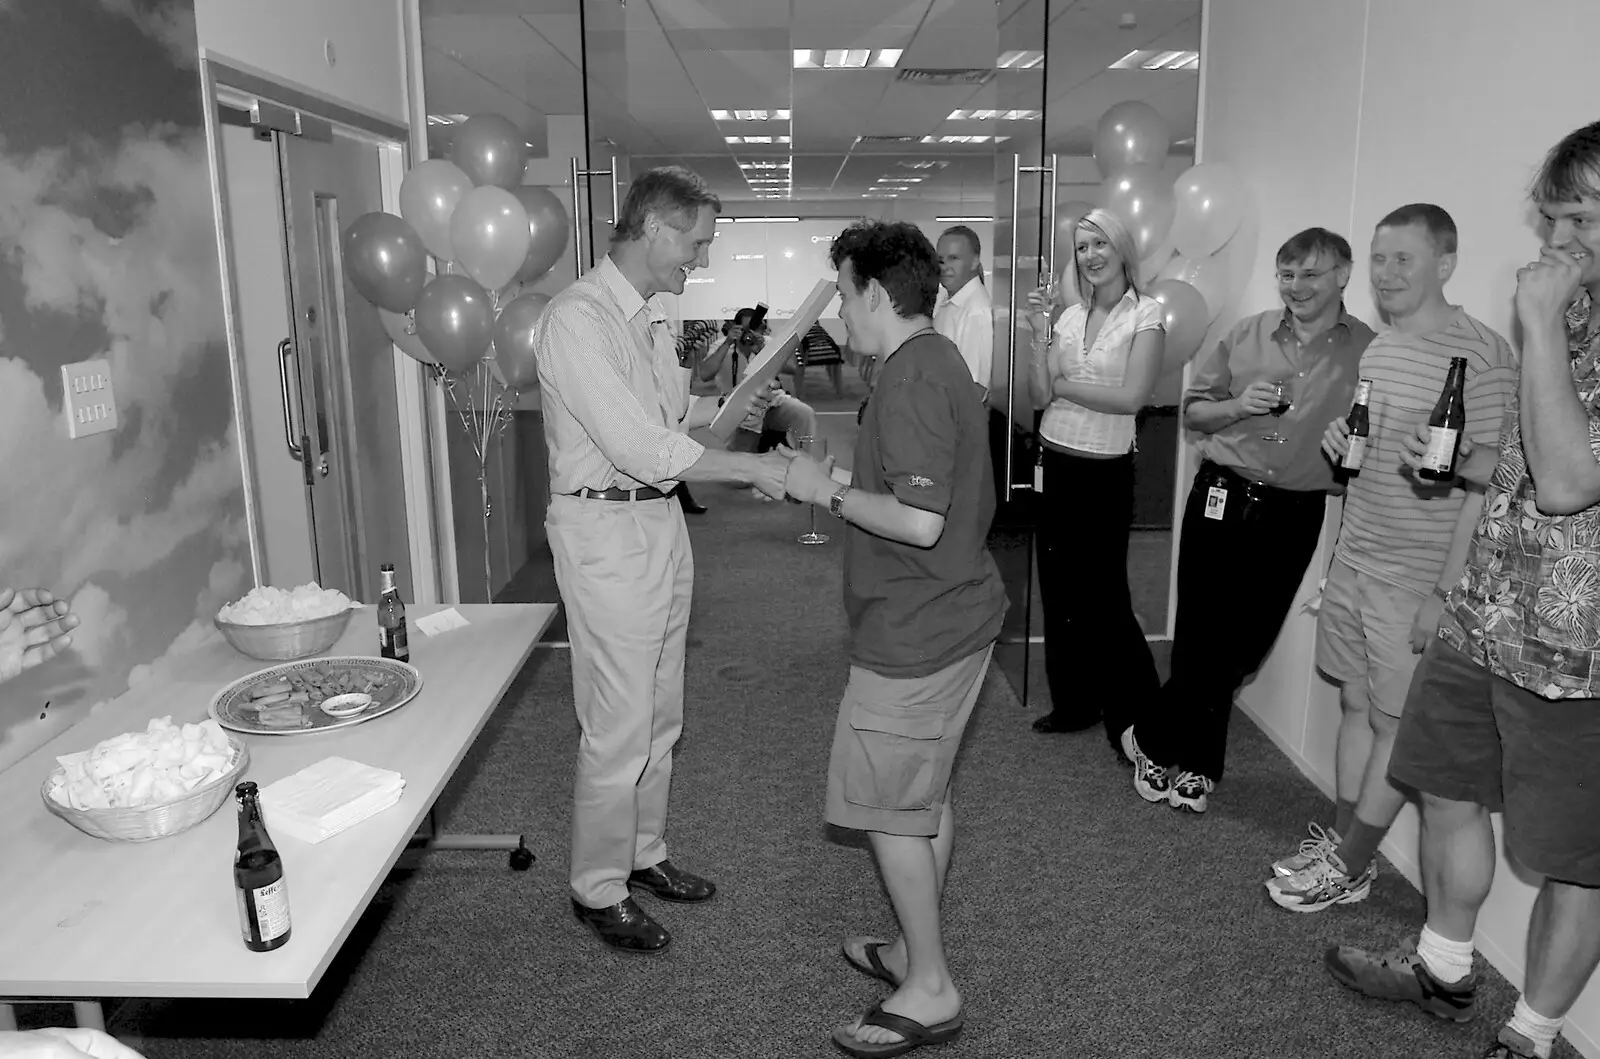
(397, 641)
(264, 912)
(1441, 454)
(1356, 453)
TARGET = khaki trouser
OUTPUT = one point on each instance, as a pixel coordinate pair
(626, 574)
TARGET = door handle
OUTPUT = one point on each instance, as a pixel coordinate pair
(285, 351)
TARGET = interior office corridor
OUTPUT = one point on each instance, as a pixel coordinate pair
(1080, 920)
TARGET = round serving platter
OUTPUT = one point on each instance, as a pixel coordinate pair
(240, 705)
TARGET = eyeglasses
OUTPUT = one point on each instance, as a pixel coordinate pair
(1289, 279)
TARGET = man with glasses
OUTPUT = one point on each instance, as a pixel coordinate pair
(1260, 402)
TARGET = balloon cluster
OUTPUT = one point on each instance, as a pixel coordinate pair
(488, 233)
(1181, 229)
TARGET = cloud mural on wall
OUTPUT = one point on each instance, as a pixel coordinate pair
(108, 249)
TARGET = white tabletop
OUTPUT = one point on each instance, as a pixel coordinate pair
(84, 917)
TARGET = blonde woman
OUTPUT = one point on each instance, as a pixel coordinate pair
(1092, 374)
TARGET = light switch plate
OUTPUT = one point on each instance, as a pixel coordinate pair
(88, 400)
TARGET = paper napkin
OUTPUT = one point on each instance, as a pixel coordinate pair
(324, 799)
(443, 621)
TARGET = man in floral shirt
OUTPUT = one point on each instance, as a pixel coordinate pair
(1503, 713)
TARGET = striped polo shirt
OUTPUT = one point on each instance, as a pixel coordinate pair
(1397, 527)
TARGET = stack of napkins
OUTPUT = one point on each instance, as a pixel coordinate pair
(323, 799)
(442, 621)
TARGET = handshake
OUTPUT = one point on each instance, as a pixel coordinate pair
(786, 473)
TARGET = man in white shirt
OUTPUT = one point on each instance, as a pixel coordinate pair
(963, 314)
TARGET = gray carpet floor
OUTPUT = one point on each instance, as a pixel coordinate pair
(1081, 921)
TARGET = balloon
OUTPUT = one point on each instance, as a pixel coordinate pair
(1208, 276)
(1152, 264)
(1210, 205)
(1068, 214)
(1141, 196)
(385, 260)
(402, 330)
(1186, 318)
(547, 231)
(490, 150)
(428, 196)
(490, 234)
(515, 335)
(454, 321)
(1129, 134)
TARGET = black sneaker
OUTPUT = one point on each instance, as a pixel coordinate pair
(1511, 1045)
(1400, 974)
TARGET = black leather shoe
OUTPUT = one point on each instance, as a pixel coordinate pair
(1052, 723)
(688, 502)
(672, 884)
(624, 927)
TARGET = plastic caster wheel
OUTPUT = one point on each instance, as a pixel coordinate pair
(521, 858)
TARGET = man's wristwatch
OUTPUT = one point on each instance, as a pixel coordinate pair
(723, 399)
(1442, 592)
(836, 501)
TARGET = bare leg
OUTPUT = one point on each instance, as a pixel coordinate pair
(1353, 752)
(1458, 856)
(1380, 803)
(911, 874)
(1563, 946)
(894, 955)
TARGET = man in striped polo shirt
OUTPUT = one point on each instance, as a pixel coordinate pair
(1402, 542)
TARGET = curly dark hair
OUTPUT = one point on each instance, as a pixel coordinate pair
(898, 256)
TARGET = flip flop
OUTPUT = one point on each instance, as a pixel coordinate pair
(872, 966)
(915, 1034)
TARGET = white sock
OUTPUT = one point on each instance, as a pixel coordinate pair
(1448, 961)
(1534, 1026)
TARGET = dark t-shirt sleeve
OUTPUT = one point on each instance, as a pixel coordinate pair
(917, 440)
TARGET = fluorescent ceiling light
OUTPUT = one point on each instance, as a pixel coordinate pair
(991, 115)
(446, 119)
(750, 115)
(961, 139)
(766, 220)
(846, 58)
(1146, 59)
(922, 164)
(1020, 60)
(959, 220)
(785, 164)
(755, 139)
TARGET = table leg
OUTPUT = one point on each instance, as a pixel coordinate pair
(8, 1015)
(521, 858)
(89, 1014)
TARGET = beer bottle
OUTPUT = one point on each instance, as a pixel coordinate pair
(1360, 426)
(1445, 425)
(392, 619)
(258, 878)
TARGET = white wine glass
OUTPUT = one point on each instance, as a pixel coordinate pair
(817, 449)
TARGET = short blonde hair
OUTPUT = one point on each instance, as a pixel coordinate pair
(1109, 227)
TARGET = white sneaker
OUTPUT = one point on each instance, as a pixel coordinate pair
(1152, 781)
(1324, 884)
(1321, 843)
(1189, 792)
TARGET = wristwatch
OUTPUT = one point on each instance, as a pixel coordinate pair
(1442, 592)
(836, 501)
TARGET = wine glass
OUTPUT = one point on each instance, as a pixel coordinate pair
(1283, 392)
(817, 449)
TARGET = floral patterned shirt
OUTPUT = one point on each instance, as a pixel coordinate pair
(1527, 606)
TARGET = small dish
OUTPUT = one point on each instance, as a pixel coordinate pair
(346, 705)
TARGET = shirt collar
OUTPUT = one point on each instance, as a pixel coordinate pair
(1286, 322)
(970, 291)
(627, 297)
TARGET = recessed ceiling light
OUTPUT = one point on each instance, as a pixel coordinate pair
(1020, 60)
(446, 119)
(962, 139)
(785, 164)
(922, 164)
(961, 220)
(750, 115)
(846, 58)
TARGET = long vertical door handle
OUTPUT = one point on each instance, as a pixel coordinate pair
(616, 208)
(1011, 322)
(577, 226)
(285, 351)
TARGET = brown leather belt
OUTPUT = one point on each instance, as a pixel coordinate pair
(647, 492)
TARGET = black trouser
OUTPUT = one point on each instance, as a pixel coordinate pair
(1237, 579)
(1096, 658)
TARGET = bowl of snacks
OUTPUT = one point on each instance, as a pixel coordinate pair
(146, 785)
(272, 625)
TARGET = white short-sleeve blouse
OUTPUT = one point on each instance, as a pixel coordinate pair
(1105, 363)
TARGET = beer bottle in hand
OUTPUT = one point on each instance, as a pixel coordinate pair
(392, 619)
(1360, 426)
(258, 878)
(1445, 425)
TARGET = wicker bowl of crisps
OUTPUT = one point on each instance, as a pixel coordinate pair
(159, 815)
(276, 625)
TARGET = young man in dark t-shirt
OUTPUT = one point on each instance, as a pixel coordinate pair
(924, 601)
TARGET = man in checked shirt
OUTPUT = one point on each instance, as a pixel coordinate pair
(617, 412)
